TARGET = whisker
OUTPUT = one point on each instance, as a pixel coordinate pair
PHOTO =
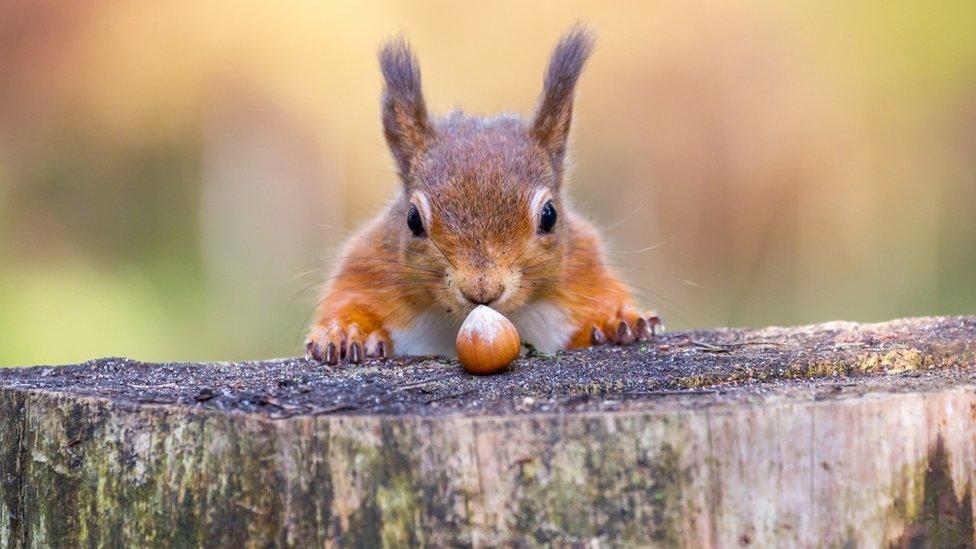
(434, 242)
(691, 283)
(413, 301)
(444, 255)
(649, 248)
(301, 275)
(418, 254)
(633, 287)
(524, 249)
(391, 262)
(405, 286)
(408, 276)
(625, 219)
(322, 280)
(542, 318)
(655, 296)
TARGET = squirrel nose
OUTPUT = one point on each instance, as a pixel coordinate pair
(482, 296)
(480, 300)
(481, 290)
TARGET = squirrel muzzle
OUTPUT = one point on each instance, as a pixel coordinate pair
(480, 286)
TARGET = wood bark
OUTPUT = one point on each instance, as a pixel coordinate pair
(830, 435)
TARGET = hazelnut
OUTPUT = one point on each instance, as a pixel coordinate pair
(487, 341)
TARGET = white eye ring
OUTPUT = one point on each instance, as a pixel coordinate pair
(423, 206)
(535, 205)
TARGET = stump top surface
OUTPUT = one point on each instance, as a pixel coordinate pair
(675, 371)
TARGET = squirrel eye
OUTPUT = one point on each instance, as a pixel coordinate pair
(547, 218)
(414, 221)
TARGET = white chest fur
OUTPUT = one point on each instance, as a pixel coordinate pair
(431, 333)
(540, 323)
(544, 325)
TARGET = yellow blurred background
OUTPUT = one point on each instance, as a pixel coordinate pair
(175, 176)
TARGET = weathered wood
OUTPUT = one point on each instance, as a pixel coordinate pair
(811, 436)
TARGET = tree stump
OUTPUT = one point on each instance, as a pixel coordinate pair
(832, 434)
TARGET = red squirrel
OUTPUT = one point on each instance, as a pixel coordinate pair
(480, 219)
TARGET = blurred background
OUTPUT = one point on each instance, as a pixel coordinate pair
(175, 176)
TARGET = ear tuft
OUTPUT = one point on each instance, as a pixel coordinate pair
(552, 119)
(405, 122)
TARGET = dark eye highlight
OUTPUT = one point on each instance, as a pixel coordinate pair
(414, 221)
(547, 217)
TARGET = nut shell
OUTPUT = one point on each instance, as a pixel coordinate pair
(487, 341)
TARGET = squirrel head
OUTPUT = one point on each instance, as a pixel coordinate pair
(480, 219)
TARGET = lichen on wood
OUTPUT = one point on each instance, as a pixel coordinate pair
(819, 435)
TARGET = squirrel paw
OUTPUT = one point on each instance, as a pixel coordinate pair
(625, 328)
(335, 343)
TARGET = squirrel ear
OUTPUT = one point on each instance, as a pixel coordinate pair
(550, 128)
(405, 122)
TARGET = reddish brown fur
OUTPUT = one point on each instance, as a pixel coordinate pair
(479, 177)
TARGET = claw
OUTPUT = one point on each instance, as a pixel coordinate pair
(375, 346)
(313, 350)
(625, 335)
(336, 342)
(654, 322)
(355, 353)
(642, 330)
(597, 337)
(331, 356)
